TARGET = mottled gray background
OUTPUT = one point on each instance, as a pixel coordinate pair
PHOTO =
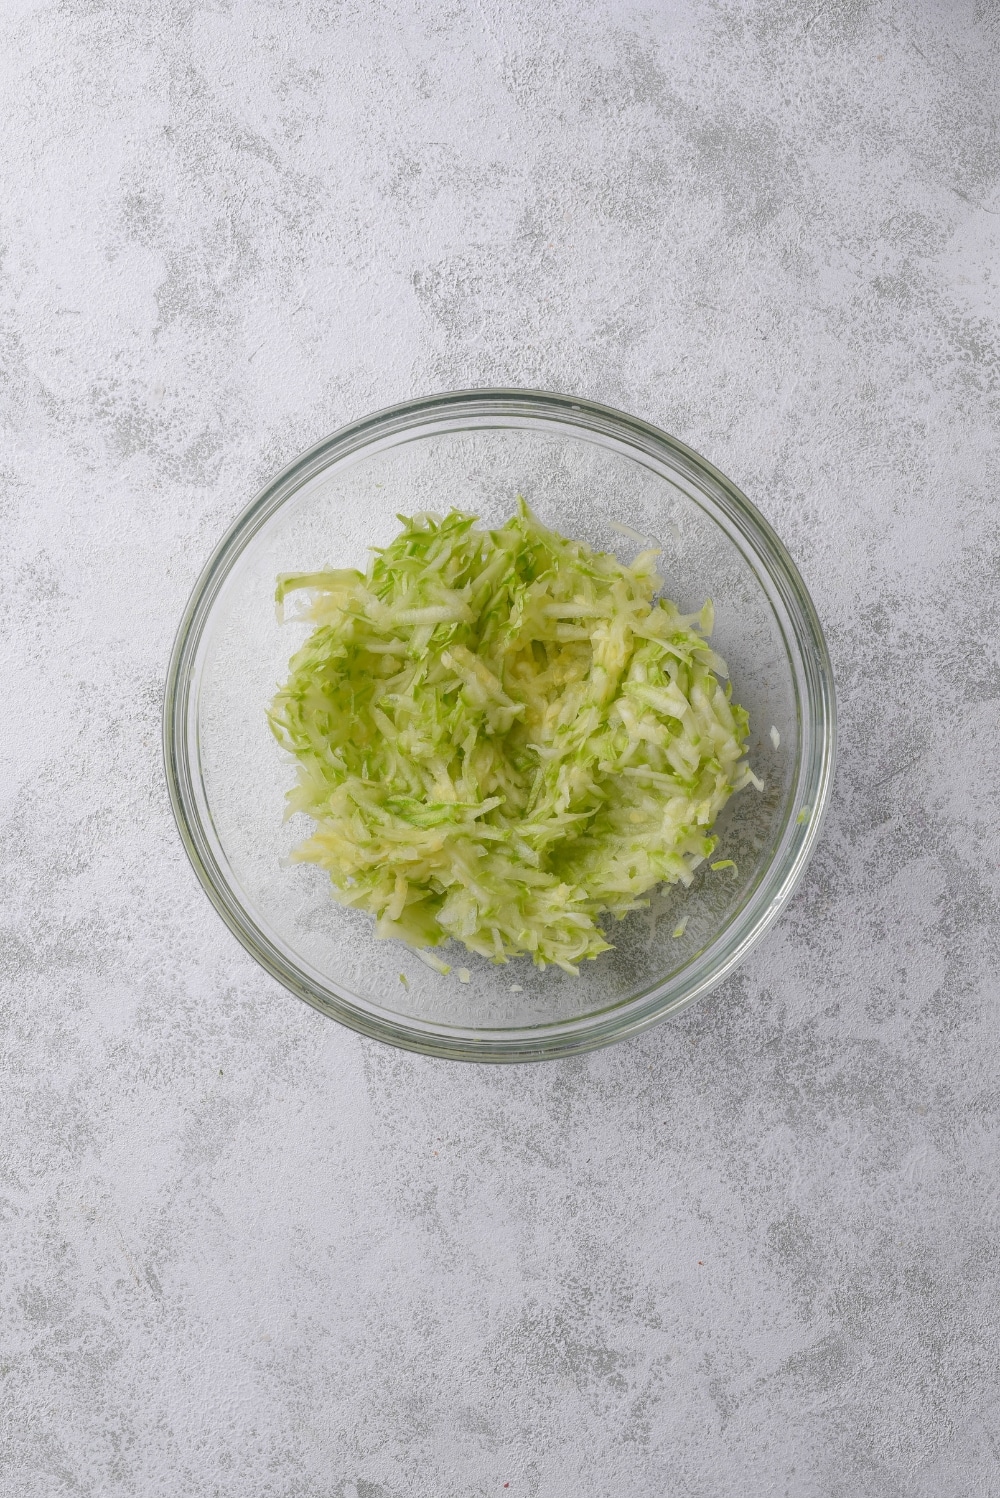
(755, 1250)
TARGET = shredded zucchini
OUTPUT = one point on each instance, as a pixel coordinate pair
(502, 735)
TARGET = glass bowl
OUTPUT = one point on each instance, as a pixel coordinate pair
(588, 472)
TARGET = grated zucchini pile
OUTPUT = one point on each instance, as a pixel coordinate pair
(501, 736)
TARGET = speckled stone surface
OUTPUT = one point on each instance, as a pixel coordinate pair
(755, 1251)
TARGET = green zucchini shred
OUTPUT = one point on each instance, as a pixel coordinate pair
(502, 735)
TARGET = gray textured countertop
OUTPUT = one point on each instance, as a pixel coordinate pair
(753, 1251)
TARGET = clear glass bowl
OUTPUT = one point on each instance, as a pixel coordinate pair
(585, 470)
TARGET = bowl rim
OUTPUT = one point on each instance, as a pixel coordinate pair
(814, 776)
